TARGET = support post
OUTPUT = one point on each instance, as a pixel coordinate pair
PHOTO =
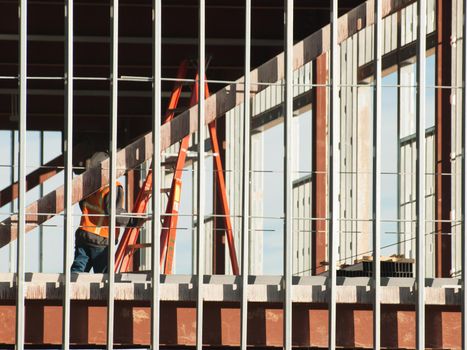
(420, 174)
(464, 182)
(443, 137)
(20, 255)
(246, 181)
(12, 203)
(156, 172)
(334, 173)
(288, 165)
(41, 194)
(376, 229)
(319, 177)
(114, 7)
(68, 150)
(200, 205)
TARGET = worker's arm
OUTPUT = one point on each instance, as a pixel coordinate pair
(120, 220)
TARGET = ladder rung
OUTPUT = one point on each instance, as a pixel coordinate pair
(194, 155)
(170, 156)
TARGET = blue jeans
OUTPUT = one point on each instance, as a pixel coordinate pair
(89, 256)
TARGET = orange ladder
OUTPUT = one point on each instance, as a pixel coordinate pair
(128, 243)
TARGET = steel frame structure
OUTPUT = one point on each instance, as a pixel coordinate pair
(204, 113)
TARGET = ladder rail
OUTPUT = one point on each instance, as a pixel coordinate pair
(128, 243)
(130, 236)
(222, 192)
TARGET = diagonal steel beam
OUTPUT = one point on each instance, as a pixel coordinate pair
(83, 185)
(40, 175)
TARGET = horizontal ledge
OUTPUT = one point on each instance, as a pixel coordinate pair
(306, 289)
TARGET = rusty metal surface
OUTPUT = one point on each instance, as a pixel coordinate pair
(222, 324)
(319, 176)
(443, 137)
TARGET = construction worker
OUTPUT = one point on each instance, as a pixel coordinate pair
(91, 238)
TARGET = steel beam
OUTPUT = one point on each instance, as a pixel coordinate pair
(22, 132)
(443, 135)
(145, 40)
(114, 12)
(319, 175)
(376, 228)
(246, 181)
(68, 158)
(200, 200)
(42, 174)
(83, 185)
(334, 175)
(41, 193)
(464, 184)
(288, 165)
(12, 204)
(420, 173)
(156, 173)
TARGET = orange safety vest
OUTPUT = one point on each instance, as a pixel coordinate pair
(94, 219)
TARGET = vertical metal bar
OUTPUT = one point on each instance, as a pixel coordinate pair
(200, 179)
(288, 164)
(377, 179)
(156, 171)
(194, 238)
(464, 180)
(20, 257)
(113, 168)
(246, 178)
(41, 194)
(334, 176)
(319, 172)
(420, 174)
(398, 159)
(68, 148)
(443, 126)
(12, 203)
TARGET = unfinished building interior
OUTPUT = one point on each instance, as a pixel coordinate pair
(320, 205)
